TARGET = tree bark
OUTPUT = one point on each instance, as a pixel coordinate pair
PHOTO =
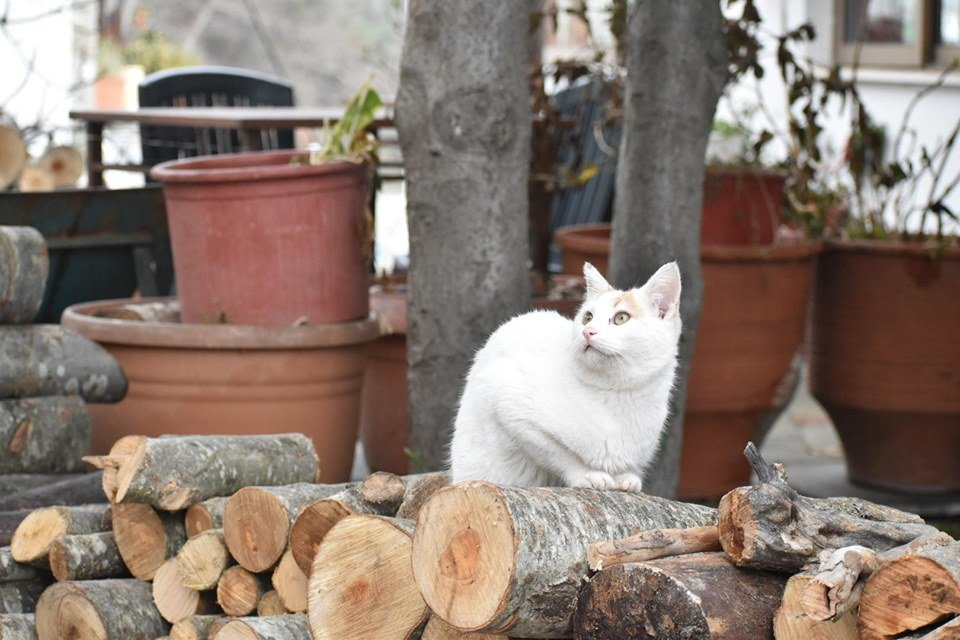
(653, 544)
(464, 122)
(290, 583)
(239, 591)
(99, 610)
(197, 627)
(44, 435)
(13, 571)
(419, 489)
(700, 596)
(676, 70)
(38, 531)
(13, 483)
(173, 600)
(270, 604)
(202, 560)
(18, 626)
(174, 473)
(503, 559)
(88, 556)
(289, 627)
(50, 360)
(68, 490)
(21, 597)
(146, 538)
(791, 622)
(23, 276)
(204, 515)
(361, 584)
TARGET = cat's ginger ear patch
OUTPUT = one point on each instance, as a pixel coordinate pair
(596, 283)
(663, 289)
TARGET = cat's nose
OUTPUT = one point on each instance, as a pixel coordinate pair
(589, 333)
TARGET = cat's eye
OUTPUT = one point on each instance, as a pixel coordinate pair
(621, 317)
(587, 317)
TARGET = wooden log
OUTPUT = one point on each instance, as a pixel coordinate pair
(9, 521)
(13, 571)
(202, 560)
(174, 473)
(38, 531)
(419, 489)
(18, 626)
(146, 537)
(99, 610)
(288, 627)
(89, 556)
(66, 490)
(13, 483)
(173, 600)
(950, 630)
(257, 520)
(13, 155)
(110, 464)
(771, 526)
(437, 629)
(384, 489)
(361, 583)
(44, 435)
(653, 544)
(290, 583)
(701, 596)
(33, 178)
(791, 622)
(50, 360)
(64, 164)
(23, 276)
(239, 591)
(270, 604)
(197, 627)
(21, 597)
(511, 560)
(204, 515)
(911, 592)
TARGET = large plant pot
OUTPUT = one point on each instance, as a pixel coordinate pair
(741, 206)
(885, 361)
(231, 379)
(261, 238)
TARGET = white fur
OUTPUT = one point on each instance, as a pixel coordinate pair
(540, 408)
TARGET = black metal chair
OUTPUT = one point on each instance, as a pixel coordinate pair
(209, 86)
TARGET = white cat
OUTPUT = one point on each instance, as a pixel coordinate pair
(581, 403)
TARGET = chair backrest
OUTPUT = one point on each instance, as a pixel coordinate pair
(208, 86)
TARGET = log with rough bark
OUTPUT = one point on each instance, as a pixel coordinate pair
(911, 592)
(701, 596)
(146, 537)
(38, 531)
(239, 591)
(771, 526)
(288, 627)
(67, 489)
(419, 489)
(270, 604)
(173, 600)
(44, 435)
(290, 583)
(204, 515)
(23, 276)
(197, 627)
(257, 520)
(653, 544)
(99, 610)
(21, 597)
(88, 556)
(437, 629)
(13, 571)
(18, 626)
(791, 622)
(361, 583)
(174, 473)
(512, 560)
(13, 483)
(50, 360)
(203, 559)
(9, 521)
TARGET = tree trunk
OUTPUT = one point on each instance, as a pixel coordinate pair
(361, 584)
(202, 560)
(239, 591)
(13, 571)
(700, 596)
(146, 538)
(50, 360)
(18, 626)
(289, 627)
(69, 490)
(23, 276)
(174, 473)
(419, 489)
(44, 435)
(204, 515)
(792, 623)
(290, 583)
(99, 610)
(270, 604)
(653, 544)
(21, 597)
(676, 70)
(173, 600)
(464, 122)
(39, 530)
(503, 559)
(197, 627)
(89, 556)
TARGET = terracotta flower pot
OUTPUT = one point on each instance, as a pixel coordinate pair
(260, 239)
(741, 206)
(584, 243)
(885, 361)
(231, 379)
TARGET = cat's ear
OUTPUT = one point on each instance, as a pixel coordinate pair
(663, 289)
(596, 284)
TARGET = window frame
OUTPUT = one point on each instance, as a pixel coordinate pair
(913, 55)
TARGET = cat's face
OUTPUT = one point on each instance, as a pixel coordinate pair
(628, 334)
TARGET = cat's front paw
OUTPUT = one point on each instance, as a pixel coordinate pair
(596, 480)
(629, 482)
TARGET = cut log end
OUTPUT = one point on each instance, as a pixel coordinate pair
(271, 604)
(383, 488)
(310, 527)
(174, 601)
(204, 516)
(736, 526)
(38, 531)
(791, 622)
(111, 464)
(239, 591)
(203, 559)
(256, 526)
(128, 470)
(143, 537)
(80, 620)
(290, 582)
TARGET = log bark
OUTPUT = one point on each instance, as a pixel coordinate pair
(361, 583)
(203, 559)
(18, 626)
(44, 435)
(419, 489)
(465, 135)
(99, 610)
(700, 596)
(791, 622)
(288, 627)
(39, 530)
(437, 629)
(270, 604)
(911, 592)
(65, 490)
(21, 597)
(89, 556)
(9, 521)
(50, 360)
(146, 537)
(290, 583)
(204, 515)
(13, 571)
(257, 520)
(197, 627)
(512, 560)
(13, 483)
(23, 276)
(239, 591)
(173, 600)
(174, 473)
(653, 544)
(771, 526)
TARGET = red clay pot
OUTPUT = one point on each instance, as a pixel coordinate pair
(885, 361)
(584, 243)
(741, 206)
(258, 239)
(203, 379)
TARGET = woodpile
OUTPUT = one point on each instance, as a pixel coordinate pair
(58, 167)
